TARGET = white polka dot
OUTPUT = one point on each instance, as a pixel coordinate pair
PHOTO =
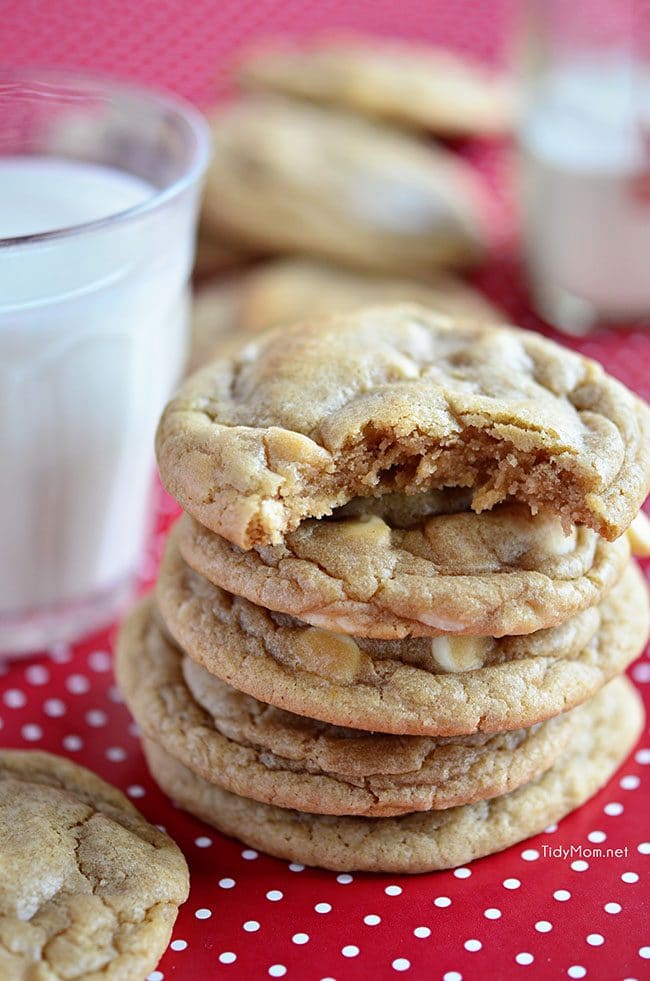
(54, 707)
(31, 732)
(644, 952)
(99, 661)
(36, 674)
(72, 743)
(613, 809)
(577, 971)
(134, 730)
(630, 782)
(597, 837)
(643, 757)
(135, 791)
(612, 907)
(452, 976)
(511, 883)
(116, 754)
(178, 944)
(630, 877)
(203, 841)
(401, 964)
(422, 932)
(524, 958)
(580, 865)
(561, 895)
(641, 672)
(492, 913)
(203, 913)
(60, 653)
(372, 919)
(77, 684)
(300, 938)
(96, 718)
(249, 854)
(643, 847)
(530, 854)
(251, 926)
(595, 939)
(277, 970)
(323, 908)
(14, 698)
(115, 695)
(228, 957)
(543, 926)
(442, 902)
(227, 883)
(462, 873)
(472, 945)
(344, 878)
(349, 950)
(393, 890)
(274, 895)
(552, 828)
(296, 867)
(155, 976)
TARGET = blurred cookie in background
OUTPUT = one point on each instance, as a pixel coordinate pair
(289, 177)
(215, 255)
(411, 85)
(286, 290)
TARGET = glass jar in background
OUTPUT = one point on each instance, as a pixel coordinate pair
(584, 141)
(99, 191)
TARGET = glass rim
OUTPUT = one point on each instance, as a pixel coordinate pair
(194, 121)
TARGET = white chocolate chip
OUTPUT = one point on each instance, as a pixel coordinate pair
(639, 536)
(460, 653)
(329, 655)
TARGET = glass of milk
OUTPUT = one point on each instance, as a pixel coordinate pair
(99, 189)
(585, 161)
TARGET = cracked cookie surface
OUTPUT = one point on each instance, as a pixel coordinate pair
(389, 575)
(287, 177)
(89, 889)
(438, 686)
(422, 841)
(255, 750)
(401, 400)
(409, 84)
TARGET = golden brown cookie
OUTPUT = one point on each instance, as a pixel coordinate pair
(404, 574)
(288, 177)
(440, 686)
(422, 841)
(413, 85)
(400, 399)
(258, 751)
(89, 889)
(282, 291)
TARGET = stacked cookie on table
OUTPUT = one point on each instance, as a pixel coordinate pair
(388, 632)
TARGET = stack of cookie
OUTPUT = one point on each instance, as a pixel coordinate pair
(387, 631)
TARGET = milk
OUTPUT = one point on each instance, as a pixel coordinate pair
(586, 183)
(92, 338)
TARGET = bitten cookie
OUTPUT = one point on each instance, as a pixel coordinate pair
(401, 399)
(424, 87)
(392, 570)
(440, 686)
(287, 177)
(89, 889)
(258, 751)
(423, 841)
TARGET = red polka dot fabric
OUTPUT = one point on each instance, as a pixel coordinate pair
(552, 907)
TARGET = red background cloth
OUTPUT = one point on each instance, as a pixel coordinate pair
(250, 916)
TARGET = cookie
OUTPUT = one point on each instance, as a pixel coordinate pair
(288, 177)
(258, 751)
(407, 574)
(282, 291)
(412, 85)
(400, 399)
(89, 888)
(418, 686)
(422, 841)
